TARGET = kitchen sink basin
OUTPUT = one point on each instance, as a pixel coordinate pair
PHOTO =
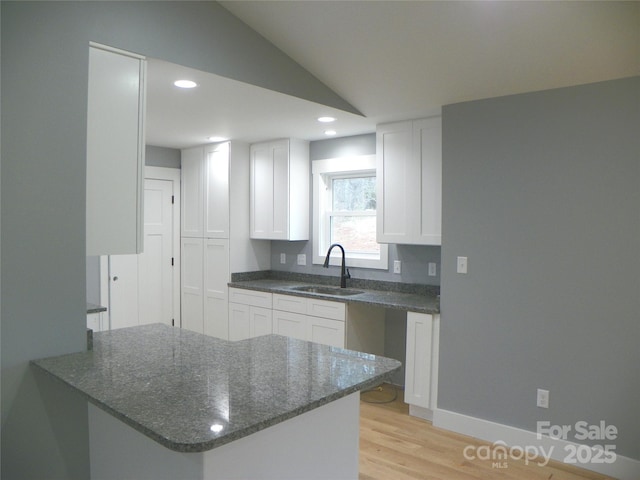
(322, 290)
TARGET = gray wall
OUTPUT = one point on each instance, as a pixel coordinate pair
(162, 157)
(44, 93)
(414, 258)
(541, 192)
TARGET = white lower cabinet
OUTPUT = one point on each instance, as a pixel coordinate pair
(421, 369)
(326, 331)
(253, 313)
(311, 319)
(249, 314)
(246, 321)
(205, 273)
(95, 321)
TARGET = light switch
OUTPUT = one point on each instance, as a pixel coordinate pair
(462, 265)
(283, 258)
(432, 269)
(302, 259)
(397, 266)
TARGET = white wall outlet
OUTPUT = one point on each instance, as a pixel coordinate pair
(283, 258)
(462, 265)
(432, 269)
(397, 266)
(542, 398)
(302, 259)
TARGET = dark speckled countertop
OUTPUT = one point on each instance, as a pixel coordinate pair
(173, 385)
(408, 297)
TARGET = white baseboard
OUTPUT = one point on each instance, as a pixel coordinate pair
(421, 412)
(623, 468)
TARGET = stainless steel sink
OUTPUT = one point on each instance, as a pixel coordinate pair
(323, 290)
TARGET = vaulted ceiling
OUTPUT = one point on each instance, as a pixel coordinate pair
(397, 60)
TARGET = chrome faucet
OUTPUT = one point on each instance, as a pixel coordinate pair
(344, 272)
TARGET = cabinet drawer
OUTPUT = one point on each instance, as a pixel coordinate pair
(326, 309)
(250, 297)
(326, 331)
(289, 303)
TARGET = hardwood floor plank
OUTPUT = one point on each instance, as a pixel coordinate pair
(396, 446)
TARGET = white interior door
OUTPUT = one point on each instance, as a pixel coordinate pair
(145, 288)
(123, 291)
(155, 263)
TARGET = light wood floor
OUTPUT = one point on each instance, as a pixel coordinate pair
(396, 446)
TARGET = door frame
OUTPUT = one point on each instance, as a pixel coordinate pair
(154, 173)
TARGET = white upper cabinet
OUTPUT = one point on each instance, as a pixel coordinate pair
(192, 202)
(205, 191)
(279, 190)
(115, 151)
(409, 182)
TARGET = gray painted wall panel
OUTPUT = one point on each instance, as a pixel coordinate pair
(162, 157)
(541, 192)
(44, 95)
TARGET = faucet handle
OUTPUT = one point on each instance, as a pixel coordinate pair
(347, 274)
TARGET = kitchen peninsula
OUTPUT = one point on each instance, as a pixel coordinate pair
(169, 403)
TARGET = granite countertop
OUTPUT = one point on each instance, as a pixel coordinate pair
(174, 385)
(93, 308)
(415, 298)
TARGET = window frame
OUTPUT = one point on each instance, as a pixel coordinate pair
(343, 167)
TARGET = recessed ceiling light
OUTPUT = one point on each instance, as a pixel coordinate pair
(330, 132)
(185, 84)
(326, 119)
(216, 139)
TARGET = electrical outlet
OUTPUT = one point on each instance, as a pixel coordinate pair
(462, 265)
(397, 266)
(542, 398)
(432, 269)
(283, 258)
(302, 259)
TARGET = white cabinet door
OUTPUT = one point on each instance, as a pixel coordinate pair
(216, 277)
(246, 321)
(421, 369)
(260, 321)
(216, 191)
(326, 331)
(192, 295)
(192, 203)
(395, 181)
(280, 193)
(427, 137)
(290, 324)
(239, 327)
(115, 151)
(205, 191)
(279, 190)
(261, 192)
(409, 178)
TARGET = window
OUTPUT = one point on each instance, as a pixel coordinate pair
(344, 200)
